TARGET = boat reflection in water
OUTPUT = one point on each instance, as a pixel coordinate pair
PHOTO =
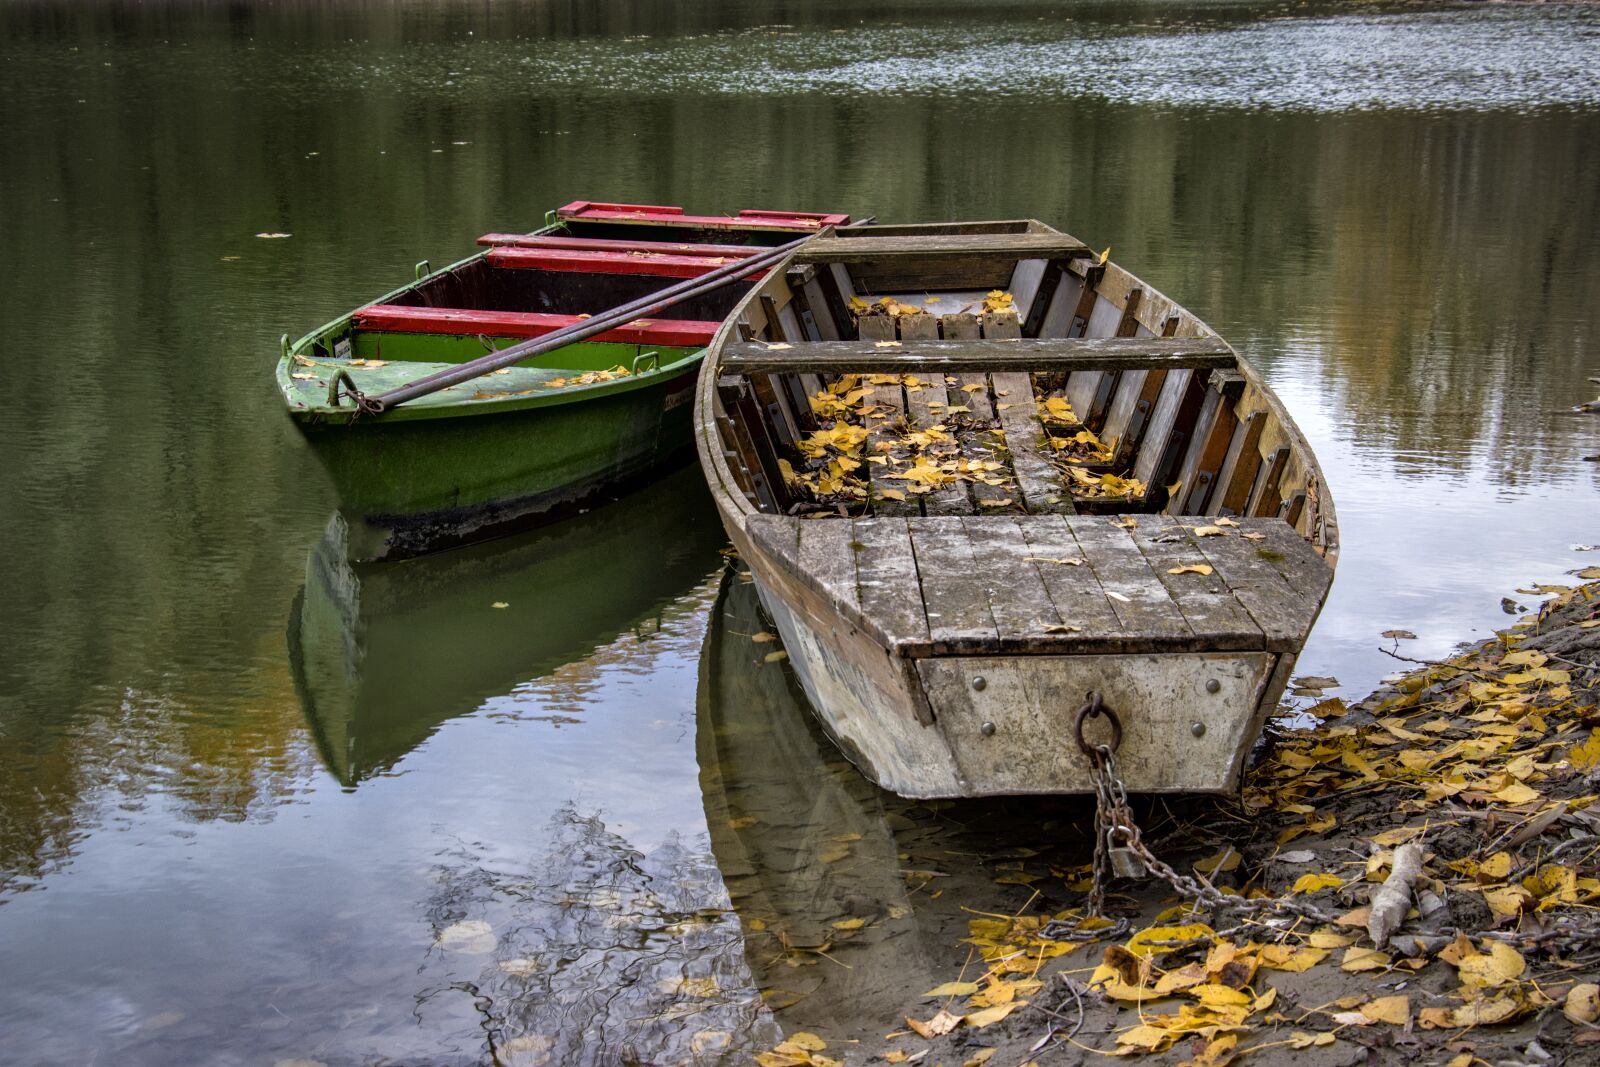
(383, 654)
(809, 849)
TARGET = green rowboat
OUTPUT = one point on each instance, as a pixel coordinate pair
(546, 436)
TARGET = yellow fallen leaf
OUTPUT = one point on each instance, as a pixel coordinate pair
(1139, 944)
(1472, 1013)
(1209, 531)
(1516, 793)
(1292, 958)
(1226, 860)
(887, 344)
(774, 657)
(1219, 996)
(763, 637)
(777, 346)
(989, 1016)
(849, 924)
(1147, 1038)
(953, 989)
(1310, 883)
(1586, 756)
(1501, 964)
(1393, 1010)
(1301, 1039)
(499, 604)
(1218, 1052)
(1357, 958)
(808, 1041)
(1190, 568)
(1583, 1003)
(942, 1023)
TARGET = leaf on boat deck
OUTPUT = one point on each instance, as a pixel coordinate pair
(1072, 562)
(1190, 568)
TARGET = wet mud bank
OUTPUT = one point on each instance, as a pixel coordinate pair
(1458, 802)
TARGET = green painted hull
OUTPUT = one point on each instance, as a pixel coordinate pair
(416, 485)
(494, 455)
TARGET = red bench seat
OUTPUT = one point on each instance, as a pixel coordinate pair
(584, 261)
(392, 318)
(598, 244)
(663, 215)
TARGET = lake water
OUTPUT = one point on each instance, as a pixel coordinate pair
(257, 806)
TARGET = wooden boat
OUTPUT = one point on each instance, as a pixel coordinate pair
(980, 473)
(547, 435)
(383, 655)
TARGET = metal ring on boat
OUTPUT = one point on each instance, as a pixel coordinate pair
(1093, 709)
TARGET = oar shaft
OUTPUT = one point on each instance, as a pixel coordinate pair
(643, 307)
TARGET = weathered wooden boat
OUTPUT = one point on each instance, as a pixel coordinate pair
(980, 474)
(382, 655)
(423, 461)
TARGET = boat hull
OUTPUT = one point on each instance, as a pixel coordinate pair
(412, 486)
(918, 727)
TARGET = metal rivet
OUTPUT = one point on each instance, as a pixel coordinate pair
(1212, 685)
(979, 682)
(987, 729)
(1198, 729)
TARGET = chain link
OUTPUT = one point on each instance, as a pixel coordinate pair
(1115, 830)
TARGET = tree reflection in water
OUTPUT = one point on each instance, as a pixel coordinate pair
(602, 954)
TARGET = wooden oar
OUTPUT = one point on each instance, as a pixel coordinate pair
(644, 307)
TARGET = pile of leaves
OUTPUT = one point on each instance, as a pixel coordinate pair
(831, 472)
(1461, 802)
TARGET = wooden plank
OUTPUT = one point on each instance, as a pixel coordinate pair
(1012, 245)
(778, 536)
(1038, 481)
(743, 419)
(1210, 450)
(926, 404)
(1063, 305)
(886, 577)
(1171, 427)
(985, 356)
(1207, 603)
(872, 328)
(953, 591)
(882, 434)
(1281, 581)
(959, 326)
(1238, 467)
(1019, 603)
(1264, 499)
(1038, 306)
(1074, 591)
(918, 327)
(1205, 425)
(826, 561)
(1136, 593)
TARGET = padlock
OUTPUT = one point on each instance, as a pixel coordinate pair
(1125, 862)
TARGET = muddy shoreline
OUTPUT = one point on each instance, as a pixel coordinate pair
(1486, 766)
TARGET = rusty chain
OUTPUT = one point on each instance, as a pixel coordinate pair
(1120, 851)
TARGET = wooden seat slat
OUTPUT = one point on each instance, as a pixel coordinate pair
(590, 261)
(999, 245)
(600, 244)
(665, 215)
(394, 318)
(980, 356)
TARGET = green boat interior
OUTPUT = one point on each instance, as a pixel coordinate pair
(589, 257)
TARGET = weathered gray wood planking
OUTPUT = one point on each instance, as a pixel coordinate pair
(979, 356)
(1037, 479)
